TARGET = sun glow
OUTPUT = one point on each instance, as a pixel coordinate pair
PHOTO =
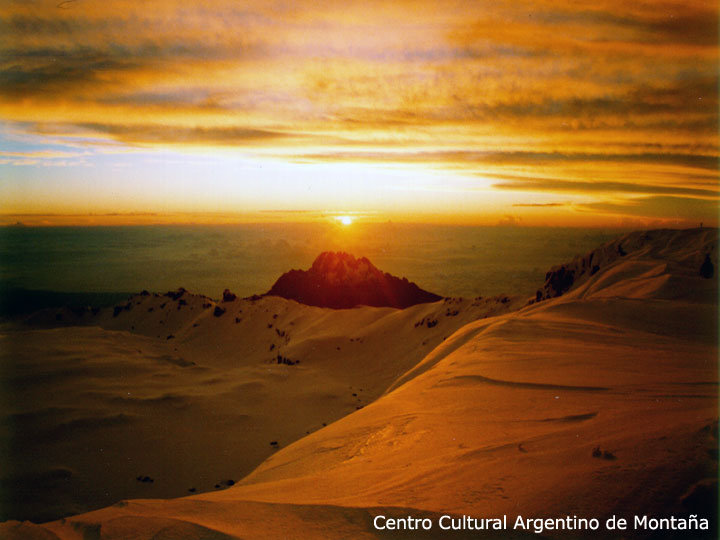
(345, 220)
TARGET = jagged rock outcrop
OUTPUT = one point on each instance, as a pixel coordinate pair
(339, 280)
(707, 269)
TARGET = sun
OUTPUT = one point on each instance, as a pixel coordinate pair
(345, 220)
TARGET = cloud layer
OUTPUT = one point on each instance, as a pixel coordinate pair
(590, 98)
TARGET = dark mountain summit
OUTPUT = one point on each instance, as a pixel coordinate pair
(339, 280)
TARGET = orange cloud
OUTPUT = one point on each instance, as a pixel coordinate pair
(532, 90)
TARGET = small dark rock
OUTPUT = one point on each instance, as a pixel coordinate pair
(218, 311)
(228, 296)
(174, 295)
(707, 269)
(283, 360)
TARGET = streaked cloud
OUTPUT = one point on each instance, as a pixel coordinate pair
(538, 205)
(678, 209)
(158, 133)
(601, 99)
(561, 186)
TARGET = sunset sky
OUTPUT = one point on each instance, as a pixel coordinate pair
(600, 112)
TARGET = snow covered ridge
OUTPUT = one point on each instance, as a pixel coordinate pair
(691, 251)
(600, 404)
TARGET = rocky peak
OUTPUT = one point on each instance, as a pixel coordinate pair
(339, 280)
